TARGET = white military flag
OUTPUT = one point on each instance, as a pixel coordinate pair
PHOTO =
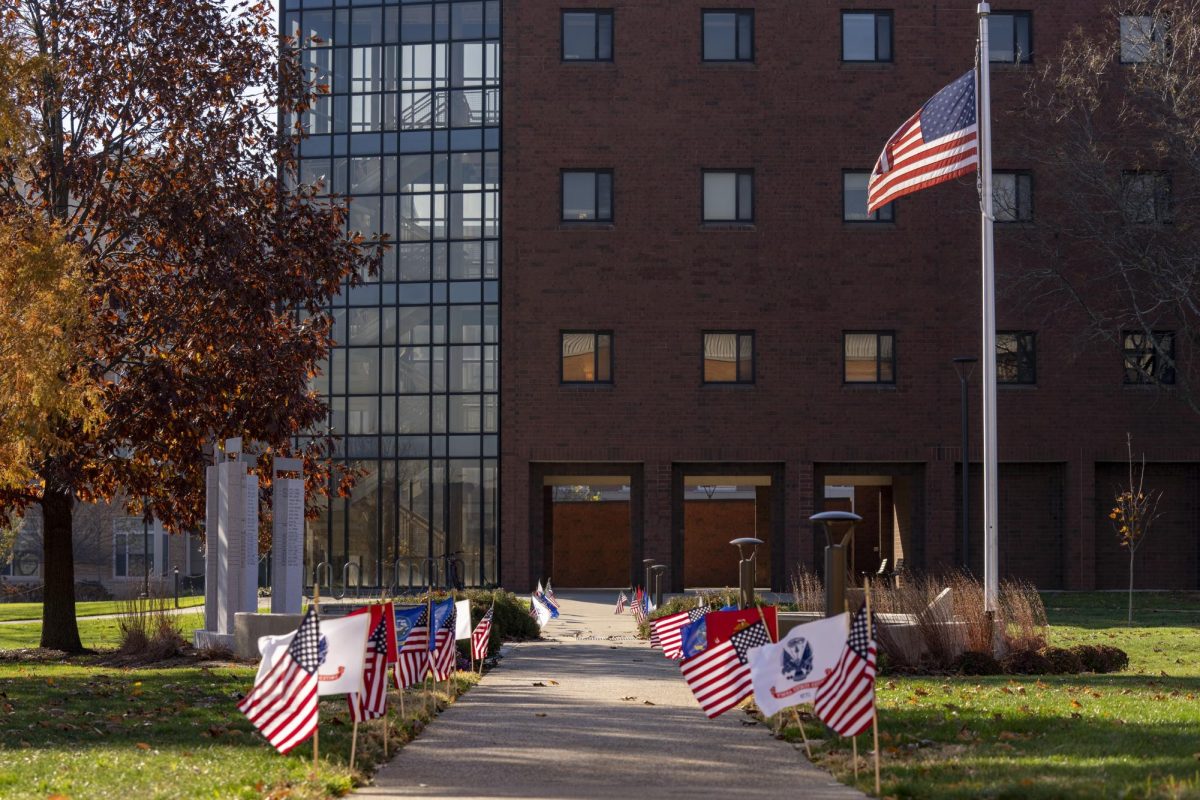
(788, 672)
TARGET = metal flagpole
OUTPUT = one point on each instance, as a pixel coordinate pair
(991, 572)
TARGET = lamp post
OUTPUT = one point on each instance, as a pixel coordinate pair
(835, 557)
(964, 366)
(746, 568)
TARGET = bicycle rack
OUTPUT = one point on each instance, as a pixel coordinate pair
(328, 568)
(460, 571)
(431, 572)
(346, 579)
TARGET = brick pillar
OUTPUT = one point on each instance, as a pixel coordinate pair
(941, 522)
(516, 523)
(657, 524)
(801, 504)
(1079, 556)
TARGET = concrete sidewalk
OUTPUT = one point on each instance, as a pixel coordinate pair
(593, 712)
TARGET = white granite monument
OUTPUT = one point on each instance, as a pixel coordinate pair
(287, 536)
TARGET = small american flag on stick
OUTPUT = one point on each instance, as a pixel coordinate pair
(720, 677)
(621, 601)
(481, 635)
(412, 661)
(938, 143)
(283, 704)
(846, 698)
(371, 703)
(445, 651)
(669, 631)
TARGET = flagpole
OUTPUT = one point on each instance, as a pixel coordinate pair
(991, 572)
(353, 744)
(316, 604)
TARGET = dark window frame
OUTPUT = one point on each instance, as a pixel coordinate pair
(738, 334)
(739, 14)
(1019, 173)
(1021, 58)
(596, 173)
(875, 218)
(596, 13)
(1030, 358)
(878, 359)
(876, 13)
(1164, 214)
(595, 334)
(738, 173)
(1164, 373)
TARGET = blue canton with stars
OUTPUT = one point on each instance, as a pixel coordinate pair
(950, 110)
(860, 636)
(305, 648)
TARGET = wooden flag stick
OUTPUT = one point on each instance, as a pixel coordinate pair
(387, 724)
(803, 735)
(353, 744)
(875, 711)
(316, 603)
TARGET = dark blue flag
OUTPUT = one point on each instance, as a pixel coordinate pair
(441, 612)
(694, 638)
(406, 620)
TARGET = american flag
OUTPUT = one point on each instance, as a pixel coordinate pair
(371, 703)
(720, 677)
(938, 143)
(412, 661)
(621, 601)
(639, 606)
(550, 594)
(283, 704)
(669, 631)
(481, 635)
(444, 649)
(846, 698)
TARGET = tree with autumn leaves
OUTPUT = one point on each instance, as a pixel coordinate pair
(153, 154)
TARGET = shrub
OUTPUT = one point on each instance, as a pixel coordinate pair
(1101, 657)
(974, 662)
(718, 598)
(1062, 661)
(149, 628)
(1026, 662)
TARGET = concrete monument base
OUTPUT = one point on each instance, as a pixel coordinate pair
(248, 626)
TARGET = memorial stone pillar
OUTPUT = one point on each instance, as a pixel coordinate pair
(287, 536)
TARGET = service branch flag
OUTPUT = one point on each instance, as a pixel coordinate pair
(668, 631)
(938, 143)
(342, 651)
(462, 619)
(539, 610)
(283, 702)
(788, 673)
(724, 623)
(719, 677)
(412, 630)
(481, 635)
(444, 648)
(846, 699)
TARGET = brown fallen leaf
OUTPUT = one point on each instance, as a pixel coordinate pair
(631, 697)
(143, 746)
(540, 714)
(647, 703)
(1076, 704)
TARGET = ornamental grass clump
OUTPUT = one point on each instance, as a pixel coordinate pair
(149, 628)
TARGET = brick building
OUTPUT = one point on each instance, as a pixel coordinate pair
(704, 337)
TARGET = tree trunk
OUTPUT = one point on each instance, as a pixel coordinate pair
(60, 631)
(1131, 587)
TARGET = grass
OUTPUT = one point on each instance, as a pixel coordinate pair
(91, 608)
(99, 634)
(85, 730)
(1134, 734)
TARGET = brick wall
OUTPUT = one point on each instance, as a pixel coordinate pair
(657, 115)
(591, 544)
(708, 527)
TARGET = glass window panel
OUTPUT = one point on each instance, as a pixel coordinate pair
(367, 26)
(466, 64)
(414, 261)
(466, 21)
(416, 173)
(466, 171)
(364, 326)
(720, 357)
(365, 176)
(1001, 38)
(318, 28)
(604, 35)
(491, 323)
(412, 414)
(854, 196)
(416, 23)
(366, 113)
(720, 196)
(362, 415)
(490, 367)
(465, 324)
(745, 358)
(578, 36)
(363, 370)
(316, 170)
(861, 357)
(365, 216)
(745, 197)
(337, 371)
(466, 368)
(578, 357)
(1137, 38)
(366, 69)
(745, 42)
(412, 374)
(858, 37)
(579, 195)
(464, 414)
(720, 36)
(466, 259)
(603, 196)
(883, 37)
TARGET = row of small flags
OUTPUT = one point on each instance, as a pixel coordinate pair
(355, 656)
(641, 606)
(543, 605)
(729, 654)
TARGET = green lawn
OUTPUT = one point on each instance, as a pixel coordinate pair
(94, 633)
(33, 611)
(85, 731)
(1134, 734)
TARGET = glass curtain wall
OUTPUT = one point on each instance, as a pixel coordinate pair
(410, 131)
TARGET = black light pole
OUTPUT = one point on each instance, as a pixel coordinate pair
(964, 366)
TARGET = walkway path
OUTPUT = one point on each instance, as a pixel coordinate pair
(594, 713)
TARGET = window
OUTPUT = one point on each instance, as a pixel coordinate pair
(587, 196)
(866, 36)
(870, 357)
(1010, 38)
(138, 548)
(728, 35)
(1146, 197)
(587, 357)
(729, 357)
(1149, 357)
(1016, 357)
(854, 200)
(729, 196)
(587, 35)
(1012, 196)
(1139, 34)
